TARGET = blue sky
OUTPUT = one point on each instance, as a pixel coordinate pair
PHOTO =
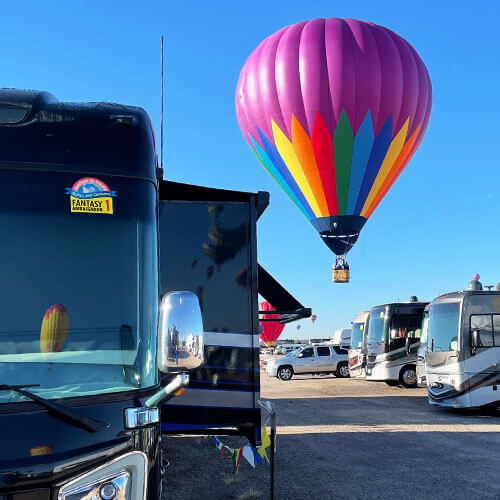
(435, 227)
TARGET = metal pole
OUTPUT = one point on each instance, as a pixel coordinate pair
(273, 450)
(269, 408)
(161, 126)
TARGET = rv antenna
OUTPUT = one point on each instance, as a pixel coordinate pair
(161, 120)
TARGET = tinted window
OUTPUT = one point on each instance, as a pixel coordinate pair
(376, 328)
(496, 328)
(205, 248)
(95, 272)
(357, 335)
(488, 326)
(323, 351)
(425, 328)
(405, 325)
(12, 115)
(443, 326)
(308, 353)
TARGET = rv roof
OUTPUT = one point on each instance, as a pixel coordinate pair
(465, 293)
(361, 316)
(402, 304)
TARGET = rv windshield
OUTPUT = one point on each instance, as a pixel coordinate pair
(443, 326)
(425, 329)
(376, 328)
(357, 335)
(79, 288)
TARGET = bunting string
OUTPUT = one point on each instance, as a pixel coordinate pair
(249, 452)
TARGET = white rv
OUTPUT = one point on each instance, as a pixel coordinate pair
(421, 375)
(463, 350)
(341, 338)
(357, 348)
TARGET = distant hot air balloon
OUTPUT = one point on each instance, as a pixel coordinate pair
(54, 329)
(313, 317)
(298, 327)
(334, 109)
(271, 330)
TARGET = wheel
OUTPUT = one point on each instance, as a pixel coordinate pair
(408, 376)
(342, 370)
(392, 383)
(285, 373)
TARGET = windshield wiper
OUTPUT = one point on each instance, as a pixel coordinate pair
(71, 416)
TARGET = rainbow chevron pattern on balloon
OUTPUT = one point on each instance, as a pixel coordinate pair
(334, 109)
(339, 175)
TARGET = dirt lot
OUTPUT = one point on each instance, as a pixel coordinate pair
(347, 438)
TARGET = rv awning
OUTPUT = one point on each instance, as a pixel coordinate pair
(286, 305)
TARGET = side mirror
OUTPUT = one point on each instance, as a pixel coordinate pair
(300, 355)
(474, 340)
(408, 345)
(180, 335)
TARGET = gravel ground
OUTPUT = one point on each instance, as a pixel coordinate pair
(347, 438)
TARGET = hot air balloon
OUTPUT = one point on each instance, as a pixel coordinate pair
(313, 318)
(334, 109)
(271, 330)
(298, 327)
(54, 329)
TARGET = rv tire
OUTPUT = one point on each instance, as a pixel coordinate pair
(408, 376)
(285, 373)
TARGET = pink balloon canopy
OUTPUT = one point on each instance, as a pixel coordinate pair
(271, 330)
(334, 109)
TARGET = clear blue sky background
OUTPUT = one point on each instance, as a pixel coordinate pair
(438, 224)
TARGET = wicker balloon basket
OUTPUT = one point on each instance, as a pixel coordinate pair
(340, 275)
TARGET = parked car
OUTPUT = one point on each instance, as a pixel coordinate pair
(286, 348)
(310, 359)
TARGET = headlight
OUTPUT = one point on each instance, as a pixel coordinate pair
(121, 479)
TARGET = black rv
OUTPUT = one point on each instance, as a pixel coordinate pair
(109, 277)
(393, 341)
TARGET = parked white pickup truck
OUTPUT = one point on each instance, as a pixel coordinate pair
(310, 359)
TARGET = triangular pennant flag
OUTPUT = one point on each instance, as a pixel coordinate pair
(256, 455)
(223, 447)
(239, 454)
(248, 454)
(262, 452)
(234, 459)
(265, 438)
(216, 441)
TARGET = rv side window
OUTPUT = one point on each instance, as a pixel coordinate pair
(323, 351)
(483, 323)
(404, 325)
(496, 329)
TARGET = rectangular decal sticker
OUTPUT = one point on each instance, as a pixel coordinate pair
(91, 196)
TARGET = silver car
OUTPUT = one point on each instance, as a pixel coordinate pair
(310, 359)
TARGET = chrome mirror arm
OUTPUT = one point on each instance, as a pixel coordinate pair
(167, 392)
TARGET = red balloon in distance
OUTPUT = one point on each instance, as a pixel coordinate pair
(271, 330)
